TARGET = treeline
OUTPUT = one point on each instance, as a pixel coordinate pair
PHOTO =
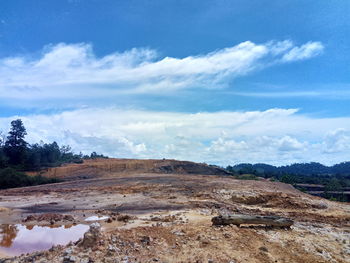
(17, 155)
(310, 173)
(334, 178)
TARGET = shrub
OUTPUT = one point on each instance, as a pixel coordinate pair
(10, 178)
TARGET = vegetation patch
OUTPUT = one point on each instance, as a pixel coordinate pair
(331, 182)
(18, 156)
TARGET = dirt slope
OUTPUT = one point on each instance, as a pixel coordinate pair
(105, 167)
(169, 216)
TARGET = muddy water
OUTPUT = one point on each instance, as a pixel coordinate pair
(18, 239)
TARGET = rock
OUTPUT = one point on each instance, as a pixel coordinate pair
(67, 252)
(50, 217)
(205, 242)
(146, 240)
(227, 235)
(69, 259)
(178, 233)
(92, 236)
(112, 248)
(28, 219)
(68, 218)
(264, 249)
(124, 218)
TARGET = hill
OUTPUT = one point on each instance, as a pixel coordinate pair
(99, 167)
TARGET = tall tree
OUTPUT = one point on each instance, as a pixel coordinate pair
(15, 145)
(3, 158)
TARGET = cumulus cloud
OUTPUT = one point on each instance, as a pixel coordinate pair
(276, 136)
(74, 71)
(337, 141)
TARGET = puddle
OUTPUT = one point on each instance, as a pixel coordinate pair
(18, 239)
(96, 218)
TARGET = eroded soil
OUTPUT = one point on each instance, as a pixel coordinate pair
(168, 219)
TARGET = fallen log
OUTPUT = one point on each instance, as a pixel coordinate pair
(239, 219)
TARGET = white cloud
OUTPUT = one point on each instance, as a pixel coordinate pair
(288, 144)
(276, 136)
(337, 141)
(305, 51)
(73, 70)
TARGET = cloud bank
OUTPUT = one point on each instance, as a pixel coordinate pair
(276, 136)
(73, 70)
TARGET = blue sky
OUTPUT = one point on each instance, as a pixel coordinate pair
(215, 81)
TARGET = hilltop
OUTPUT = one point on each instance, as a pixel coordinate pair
(100, 167)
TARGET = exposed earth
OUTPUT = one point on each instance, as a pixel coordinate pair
(161, 210)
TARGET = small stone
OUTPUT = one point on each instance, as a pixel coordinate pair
(69, 259)
(146, 240)
(264, 249)
(319, 250)
(227, 235)
(67, 251)
(178, 233)
(112, 248)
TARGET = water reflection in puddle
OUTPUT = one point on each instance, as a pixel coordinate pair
(96, 218)
(19, 239)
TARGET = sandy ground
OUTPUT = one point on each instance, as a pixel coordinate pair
(170, 219)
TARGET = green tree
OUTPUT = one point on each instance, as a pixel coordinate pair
(3, 157)
(288, 179)
(333, 185)
(15, 145)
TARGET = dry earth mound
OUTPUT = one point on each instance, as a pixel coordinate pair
(104, 167)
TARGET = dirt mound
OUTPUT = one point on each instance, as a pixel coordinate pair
(49, 217)
(109, 167)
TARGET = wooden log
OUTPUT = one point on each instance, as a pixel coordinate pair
(239, 219)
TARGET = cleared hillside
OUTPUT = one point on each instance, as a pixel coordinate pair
(108, 167)
(166, 217)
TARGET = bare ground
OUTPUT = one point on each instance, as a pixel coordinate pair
(170, 216)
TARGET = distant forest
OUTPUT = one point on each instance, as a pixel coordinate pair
(17, 156)
(334, 178)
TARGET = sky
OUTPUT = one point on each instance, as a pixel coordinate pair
(221, 82)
